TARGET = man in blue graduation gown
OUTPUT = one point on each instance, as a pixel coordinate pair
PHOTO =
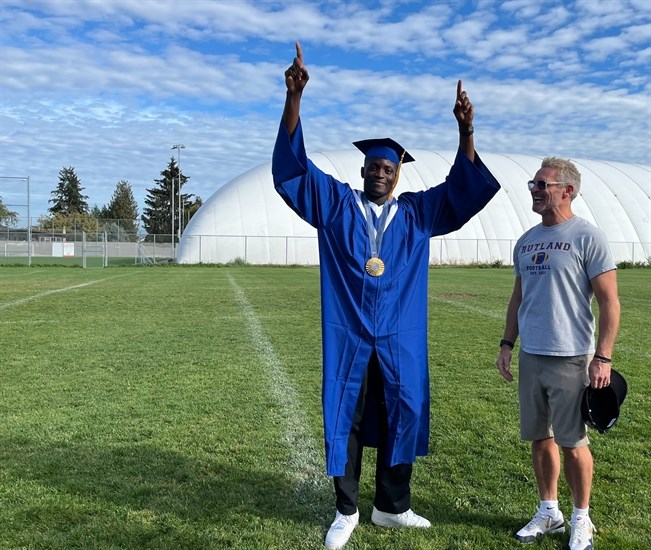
(374, 301)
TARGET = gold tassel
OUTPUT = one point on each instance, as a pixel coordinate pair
(395, 182)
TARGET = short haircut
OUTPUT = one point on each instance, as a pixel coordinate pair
(566, 172)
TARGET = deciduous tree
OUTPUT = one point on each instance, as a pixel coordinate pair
(8, 218)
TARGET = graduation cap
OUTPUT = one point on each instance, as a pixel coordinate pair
(385, 148)
(600, 408)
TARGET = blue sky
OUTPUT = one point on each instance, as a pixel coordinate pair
(108, 86)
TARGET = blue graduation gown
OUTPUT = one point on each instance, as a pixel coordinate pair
(387, 314)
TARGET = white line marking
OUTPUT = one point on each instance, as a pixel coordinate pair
(26, 299)
(472, 309)
(494, 315)
(307, 464)
(44, 294)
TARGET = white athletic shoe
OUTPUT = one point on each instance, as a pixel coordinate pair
(340, 530)
(406, 519)
(541, 524)
(581, 530)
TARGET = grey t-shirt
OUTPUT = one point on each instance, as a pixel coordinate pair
(556, 264)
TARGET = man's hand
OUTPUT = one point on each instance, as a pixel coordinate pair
(503, 362)
(599, 374)
(296, 76)
(463, 109)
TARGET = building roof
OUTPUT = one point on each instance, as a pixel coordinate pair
(246, 219)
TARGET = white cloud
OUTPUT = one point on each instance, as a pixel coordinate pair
(108, 87)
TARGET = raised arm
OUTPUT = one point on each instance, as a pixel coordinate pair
(464, 113)
(296, 78)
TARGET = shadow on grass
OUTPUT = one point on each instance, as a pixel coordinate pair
(139, 495)
(144, 476)
(141, 475)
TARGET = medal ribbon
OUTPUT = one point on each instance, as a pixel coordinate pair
(375, 240)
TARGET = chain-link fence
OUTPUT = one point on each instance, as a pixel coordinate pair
(118, 242)
(286, 250)
(95, 250)
(87, 243)
(88, 250)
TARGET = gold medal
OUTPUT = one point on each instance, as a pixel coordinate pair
(375, 267)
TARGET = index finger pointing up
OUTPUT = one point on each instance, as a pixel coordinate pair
(299, 52)
(459, 88)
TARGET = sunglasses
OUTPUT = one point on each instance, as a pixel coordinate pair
(541, 185)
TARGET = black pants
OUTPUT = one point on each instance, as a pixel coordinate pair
(392, 492)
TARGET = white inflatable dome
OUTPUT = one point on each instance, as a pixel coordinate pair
(246, 220)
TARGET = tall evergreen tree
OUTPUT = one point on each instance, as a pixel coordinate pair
(97, 212)
(123, 207)
(157, 215)
(191, 210)
(68, 199)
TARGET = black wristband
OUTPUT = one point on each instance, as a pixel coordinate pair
(470, 131)
(507, 343)
(602, 358)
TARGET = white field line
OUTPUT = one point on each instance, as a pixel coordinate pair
(473, 309)
(502, 316)
(40, 295)
(307, 464)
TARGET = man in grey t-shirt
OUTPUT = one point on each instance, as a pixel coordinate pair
(559, 265)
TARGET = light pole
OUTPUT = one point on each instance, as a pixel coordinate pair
(178, 150)
(172, 218)
(29, 228)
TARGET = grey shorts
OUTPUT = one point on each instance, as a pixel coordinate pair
(550, 390)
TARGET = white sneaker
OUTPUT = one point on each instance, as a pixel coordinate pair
(581, 530)
(340, 530)
(406, 519)
(541, 524)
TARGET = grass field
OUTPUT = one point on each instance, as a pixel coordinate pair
(179, 407)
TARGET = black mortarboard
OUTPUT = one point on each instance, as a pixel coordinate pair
(600, 408)
(384, 148)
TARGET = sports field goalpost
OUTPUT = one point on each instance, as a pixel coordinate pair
(14, 191)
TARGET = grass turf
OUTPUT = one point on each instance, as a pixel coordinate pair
(179, 407)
